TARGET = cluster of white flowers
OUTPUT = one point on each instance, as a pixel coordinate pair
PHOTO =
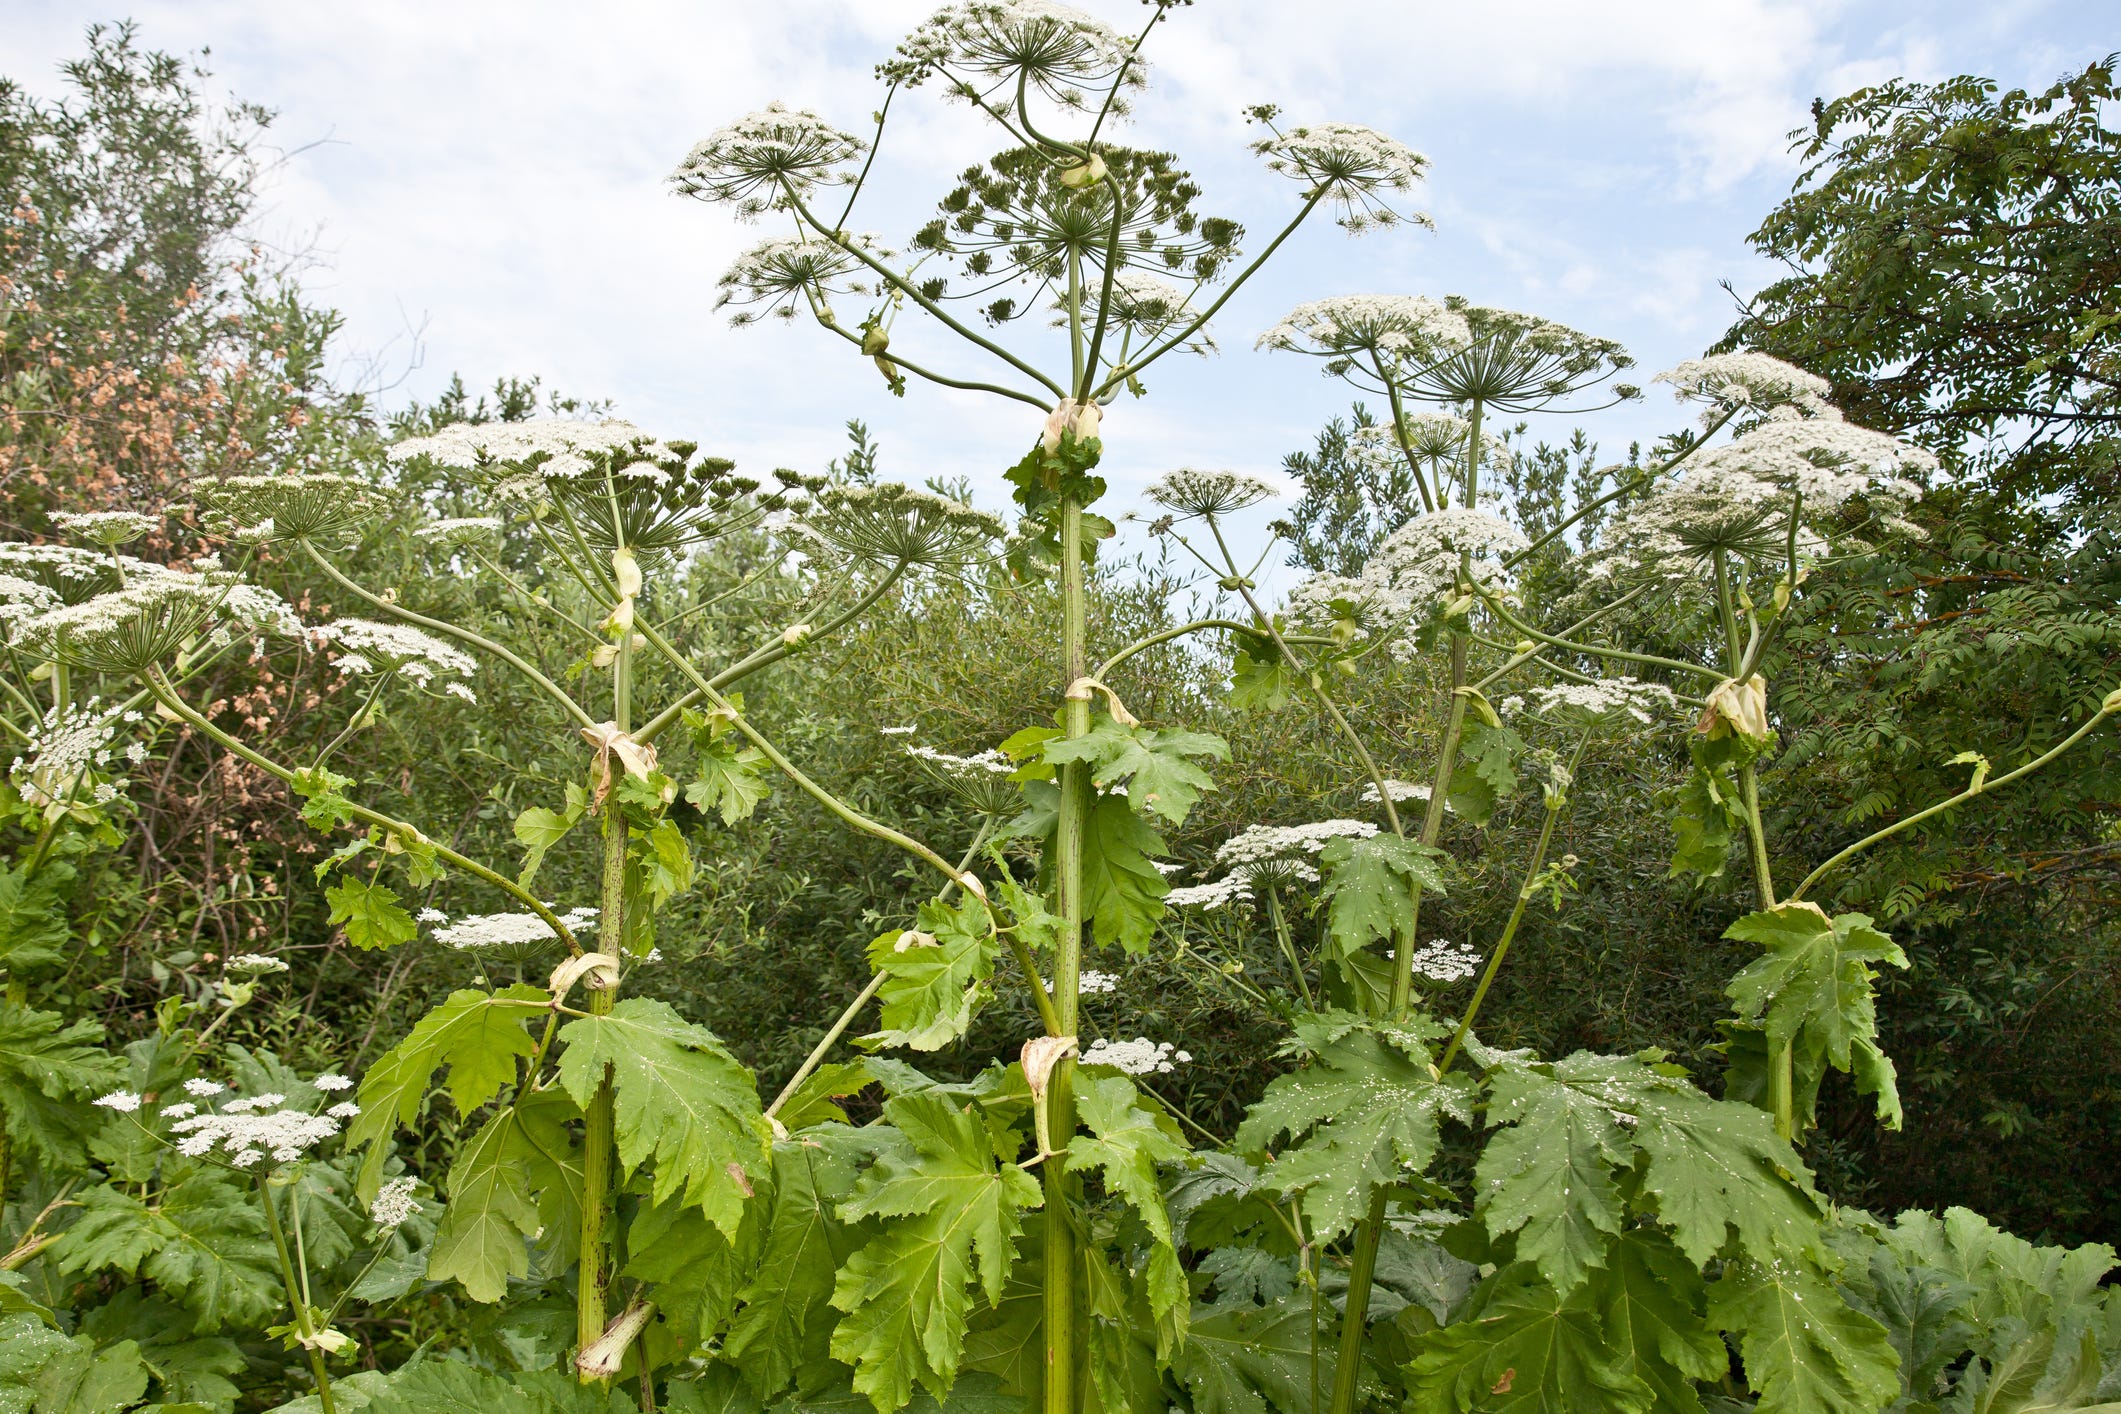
(557, 447)
(897, 524)
(453, 530)
(1189, 492)
(1401, 790)
(139, 626)
(1390, 327)
(779, 277)
(1145, 308)
(751, 161)
(20, 597)
(1754, 381)
(365, 646)
(1268, 844)
(1418, 564)
(394, 1203)
(258, 964)
(510, 930)
(986, 763)
(1607, 700)
(1442, 961)
(288, 505)
(123, 1101)
(1431, 437)
(1352, 166)
(65, 747)
(1090, 980)
(1140, 1056)
(1828, 460)
(1055, 49)
(907, 730)
(331, 1080)
(249, 1129)
(1221, 893)
(106, 528)
(68, 573)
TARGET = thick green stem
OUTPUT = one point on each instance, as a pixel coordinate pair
(1059, 1228)
(1288, 945)
(295, 1297)
(1748, 778)
(599, 1137)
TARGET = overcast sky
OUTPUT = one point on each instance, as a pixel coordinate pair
(484, 183)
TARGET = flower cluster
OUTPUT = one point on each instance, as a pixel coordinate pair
(1140, 1056)
(365, 646)
(106, 528)
(394, 1203)
(65, 749)
(1430, 437)
(139, 626)
(1353, 167)
(1090, 980)
(1516, 362)
(1270, 844)
(782, 277)
(1189, 492)
(288, 505)
(1754, 381)
(1354, 332)
(1443, 961)
(1607, 701)
(20, 597)
(1401, 790)
(507, 936)
(754, 162)
(894, 524)
(248, 1130)
(457, 530)
(1054, 49)
(257, 964)
(68, 573)
(990, 763)
(1236, 888)
(1420, 563)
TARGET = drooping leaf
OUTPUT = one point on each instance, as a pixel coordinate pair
(1806, 1351)
(1123, 891)
(481, 1240)
(1812, 993)
(1718, 1171)
(681, 1101)
(935, 976)
(1260, 677)
(2011, 1284)
(1367, 1109)
(782, 1325)
(1547, 1173)
(46, 1062)
(440, 1386)
(951, 1199)
(478, 1035)
(1254, 1359)
(1130, 1141)
(370, 913)
(1371, 885)
(1155, 764)
(1523, 1348)
(538, 829)
(1653, 1303)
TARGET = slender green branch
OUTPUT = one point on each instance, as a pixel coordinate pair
(1106, 668)
(552, 689)
(1589, 650)
(2111, 706)
(969, 384)
(303, 1329)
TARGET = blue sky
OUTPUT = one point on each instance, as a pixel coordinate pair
(482, 184)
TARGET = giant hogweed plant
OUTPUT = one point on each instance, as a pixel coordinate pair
(1623, 1220)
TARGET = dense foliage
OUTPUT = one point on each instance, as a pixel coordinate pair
(733, 1107)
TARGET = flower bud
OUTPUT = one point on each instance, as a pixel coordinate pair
(627, 571)
(1084, 174)
(875, 341)
(604, 656)
(795, 634)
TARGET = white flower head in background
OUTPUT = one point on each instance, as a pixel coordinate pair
(142, 625)
(123, 1102)
(754, 162)
(1188, 492)
(1753, 382)
(460, 530)
(1140, 1056)
(1353, 333)
(366, 646)
(1443, 961)
(1358, 170)
(1141, 307)
(1234, 889)
(109, 529)
(1090, 981)
(1418, 565)
(785, 276)
(256, 963)
(67, 756)
(394, 1203)
(1516, 363)
(1052, 49)
(517, 937)
(1621, 701)
(68, 573)
(288, 505)
(893, 524)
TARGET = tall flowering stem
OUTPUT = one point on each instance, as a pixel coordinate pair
(296, 1296)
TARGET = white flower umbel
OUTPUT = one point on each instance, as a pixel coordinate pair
(69, 573)
(106, 528)
(1222, 893)
(1267, 844)
(981, 781)
(1829, 460)
(67, 755)
(124, 1102)
(204, 1089)
(21, 597)
(510, 936)
(1432, 438)
(788, 276)
(1442, 961)
(394, 1203)
(1356, 169)
(142, 625)
(256, 963)
(1610, 701)
(1142, 308)
(753, 162)
(1419, 563)
(330, 1081)
(289, 505)
(1516, 362)
(460, 530)
(246, 1135)
(1140, 1056)
(1189, 492)
(1053, 49)
(569, 442)
(1401, 791)
(1091, 981)
(1754, 381)
(890, 523)
(986, 763)
(1353, 332)
(365, 646)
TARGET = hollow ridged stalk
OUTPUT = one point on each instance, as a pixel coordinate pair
(1362, 1265)
(1060, 1245)
(296, 1297)
(599, 1139)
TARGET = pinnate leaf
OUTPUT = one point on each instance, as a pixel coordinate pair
(1371, 883)
(932, 990)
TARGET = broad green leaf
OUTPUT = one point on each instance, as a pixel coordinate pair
(1653, 1303)
(1260, 678)
(1123, 891)
(783, 1326)
(1371, 1107)
(935, 976)
(33, 924)
(219, 1260)
(1707, 819)
(1252, 1360)
(1523, 1348)
(45, 1062)
(114, 1231)
(370, 914)
(82, 1379)
(1718, 1169)
(2029, 1379)
(1253, 1276)
(538, 829)
(717, 1390)
(1131, 1140)
(1921, 1310)
(2011, 1284)
(972, 1394)
(1153, 763)
(443, 1386)
(1812, 994)
(185, 1367)
(731, 781)
(951, 1200)
(693, 1270)
(481, 1239)
(1485, 773)
(813, 1101)
(682, 1102)
(478, 1035)
(1547, 1173)
(1806, 1351)
(324, 808)
(1371, 885)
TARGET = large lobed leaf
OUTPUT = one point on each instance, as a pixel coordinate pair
(45, 1063)
(934, 976)
(1372, 884)
(1155, 764)
(518, 1177)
